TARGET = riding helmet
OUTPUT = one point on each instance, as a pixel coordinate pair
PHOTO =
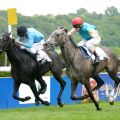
(77, 21)
(21, 31)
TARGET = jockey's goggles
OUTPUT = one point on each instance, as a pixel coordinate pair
(22, 35)
(77, 26)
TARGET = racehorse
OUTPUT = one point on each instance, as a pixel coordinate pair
(25, 69)
(79, 69)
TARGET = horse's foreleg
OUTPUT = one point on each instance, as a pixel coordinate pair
(62, 86)
(87, 86)
(43, 85)
(73, 89)
(99, 81)
(37, 98)
(16, 87)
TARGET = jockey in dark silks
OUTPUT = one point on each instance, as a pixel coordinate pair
(90, 35)
(32, 40)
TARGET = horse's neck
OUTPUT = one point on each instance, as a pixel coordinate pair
(68, 51)
(13, 55)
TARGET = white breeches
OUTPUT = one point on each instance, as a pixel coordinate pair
(90, 44)
(42, 55)
(37, 48)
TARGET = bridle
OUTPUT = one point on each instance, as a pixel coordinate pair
(3, 48)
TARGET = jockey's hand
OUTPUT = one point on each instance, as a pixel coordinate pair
(48, 47)
(17, 42)
(69, 34)
(45, 46)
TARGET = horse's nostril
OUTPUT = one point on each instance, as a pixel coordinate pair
(45, 45)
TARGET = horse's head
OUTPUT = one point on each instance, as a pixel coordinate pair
(58, 37)
(5, 41)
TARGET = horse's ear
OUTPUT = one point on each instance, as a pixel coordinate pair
(9, 33)
(60, 27)
(66, 30)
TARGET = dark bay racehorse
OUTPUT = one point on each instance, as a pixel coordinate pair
(79, 69)
(25, 69)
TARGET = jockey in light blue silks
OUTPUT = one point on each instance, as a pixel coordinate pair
(32, 40)
(91, 37)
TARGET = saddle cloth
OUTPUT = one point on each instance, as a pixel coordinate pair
(41, 55)
(87, 54)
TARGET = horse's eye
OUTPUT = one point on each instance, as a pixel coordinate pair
(57, 35)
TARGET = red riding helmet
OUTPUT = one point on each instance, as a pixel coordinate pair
(77, 21)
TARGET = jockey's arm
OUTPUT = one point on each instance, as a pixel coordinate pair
(17, 42)
(28, 43)
(94, 34)
(71, 31)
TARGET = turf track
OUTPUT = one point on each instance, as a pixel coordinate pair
(82, 111)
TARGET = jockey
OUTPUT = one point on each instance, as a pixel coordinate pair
(32, 40)
(90, 36)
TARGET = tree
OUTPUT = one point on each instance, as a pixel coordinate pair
(82, 12)
(111, 11)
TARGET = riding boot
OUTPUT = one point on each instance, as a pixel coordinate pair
(42, 61)
(97, 58)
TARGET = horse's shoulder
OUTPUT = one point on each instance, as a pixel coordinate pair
(26, 52)
(50, 52)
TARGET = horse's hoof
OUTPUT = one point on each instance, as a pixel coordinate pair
(99, 109)
(60, 104)
(27, 98)
(46, 103)
(111, 103)
(37, 102)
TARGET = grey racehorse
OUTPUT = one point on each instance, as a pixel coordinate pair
(79, 69)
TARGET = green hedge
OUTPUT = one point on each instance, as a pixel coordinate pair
(5, 74)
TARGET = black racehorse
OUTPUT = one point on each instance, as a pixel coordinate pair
(79, 69)
(25, 69)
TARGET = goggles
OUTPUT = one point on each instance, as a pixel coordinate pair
(23, 34)
(77, 26)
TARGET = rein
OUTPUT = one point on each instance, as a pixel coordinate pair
(5, 48)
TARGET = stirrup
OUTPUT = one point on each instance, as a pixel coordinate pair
(42, 61)
(96, 61)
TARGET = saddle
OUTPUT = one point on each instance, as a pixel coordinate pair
(87, 54)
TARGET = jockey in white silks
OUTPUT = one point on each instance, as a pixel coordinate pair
(91, 37)
(32, 40)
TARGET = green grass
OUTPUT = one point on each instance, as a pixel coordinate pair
(68, 112)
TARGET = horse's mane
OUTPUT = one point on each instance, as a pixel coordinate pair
(17, 49)
(72, 41)
(24, 52)
(29, 53)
